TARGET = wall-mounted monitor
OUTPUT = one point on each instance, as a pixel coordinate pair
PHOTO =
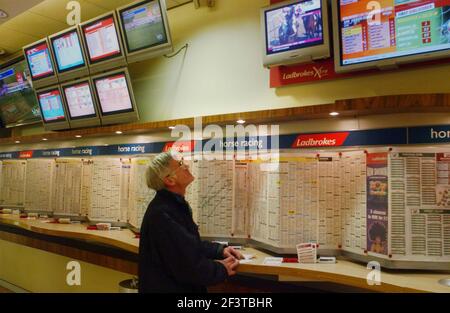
(295, 32)
(81, 104)
(69, 54)
(53, 111)
(384, 34)
(103, 44)
(145, 30)
(18, 105)
(115, 97)
(40, 63)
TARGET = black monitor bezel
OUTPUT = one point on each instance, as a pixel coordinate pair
(52, 39)
(88, 54)
(108, 75)
(129, 51)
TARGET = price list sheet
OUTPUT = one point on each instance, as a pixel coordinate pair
(352, 182)
(13, 182)
(86, 186)
(240, 200)
(140, 194)
(419, 219)
(215, 197)
(125, 190)
(329, 200)
(67, 186)
(38, 185)
(106, 180)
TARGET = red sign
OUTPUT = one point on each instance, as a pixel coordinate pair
(320, 140)
(377, 158)
(26, 154)
(180, 146)
(317, 71)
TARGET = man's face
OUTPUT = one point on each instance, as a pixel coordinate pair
(180, 173)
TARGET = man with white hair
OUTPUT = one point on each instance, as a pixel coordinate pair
(172, 257)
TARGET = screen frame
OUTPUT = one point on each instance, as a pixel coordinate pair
(34, 45)
(11, 63)
(152, 50)
(93, 21)
(130, 92)
(59, 35)
(305, 54)
(94, 100)
(382, 64)
(47, 90)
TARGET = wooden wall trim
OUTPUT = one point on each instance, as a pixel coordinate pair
(408, 103)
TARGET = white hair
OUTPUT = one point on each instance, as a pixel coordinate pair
(157, 170)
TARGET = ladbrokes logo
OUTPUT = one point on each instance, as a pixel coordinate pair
(320, 140)
(314, 72)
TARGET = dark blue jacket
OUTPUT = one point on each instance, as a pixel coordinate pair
(172, 257)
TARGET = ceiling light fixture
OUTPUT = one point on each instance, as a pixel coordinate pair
(44, 139)
(240, 122)
(17, 141)
(334, 113)
(119, 132)
(78, 136)
(171, 127)
(3, 14)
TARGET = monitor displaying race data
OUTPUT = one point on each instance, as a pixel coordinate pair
(295, 32)
(114, 94)
(79, 100)
(68, 52)
(39, 60)
(294, 26)
(395, 30)
(143, 25)
(18, 105)
(102, 39)
(51, 104)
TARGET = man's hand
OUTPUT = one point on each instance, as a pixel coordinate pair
(230, 264)
(230, 251)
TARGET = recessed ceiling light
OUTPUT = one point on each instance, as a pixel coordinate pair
(17, 141)
(78, 136)
(119, 132)
(171, 127)
(3, 14)
(44, 139)
(240, 121)
(2, 51)
(334, 113)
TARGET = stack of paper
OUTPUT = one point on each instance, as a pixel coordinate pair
(307, 252)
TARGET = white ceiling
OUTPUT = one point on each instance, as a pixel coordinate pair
(31, 20)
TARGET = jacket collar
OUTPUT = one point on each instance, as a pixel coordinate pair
(177, 197)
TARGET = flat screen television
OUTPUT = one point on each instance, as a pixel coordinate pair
(81, 104)
(102, 42)
(18, 105)
(115, 97)
(384, 34)
(53, 110)
(70, 59)
(295, 32)
(145, 30)
(40, 63)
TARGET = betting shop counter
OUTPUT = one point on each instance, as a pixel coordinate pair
(34, 246)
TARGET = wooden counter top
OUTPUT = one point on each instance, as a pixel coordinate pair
(343, 272)
(123, 239)
(347, 273)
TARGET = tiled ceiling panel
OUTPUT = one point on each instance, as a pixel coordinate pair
(15, 7)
